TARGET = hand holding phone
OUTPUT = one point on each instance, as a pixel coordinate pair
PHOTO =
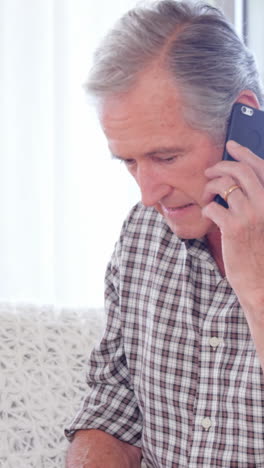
(246, 127)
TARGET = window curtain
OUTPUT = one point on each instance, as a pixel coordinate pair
(62, 198)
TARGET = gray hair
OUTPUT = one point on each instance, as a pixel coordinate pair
(198, 46)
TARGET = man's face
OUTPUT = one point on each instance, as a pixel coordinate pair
(145, 128)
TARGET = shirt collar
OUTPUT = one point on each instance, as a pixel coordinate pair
(198, 248)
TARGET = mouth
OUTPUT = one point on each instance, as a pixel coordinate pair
(178, 213)
(176, 209)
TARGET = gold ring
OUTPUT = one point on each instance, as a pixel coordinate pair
(230, 190)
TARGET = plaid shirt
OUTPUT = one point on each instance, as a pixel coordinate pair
(176, 372)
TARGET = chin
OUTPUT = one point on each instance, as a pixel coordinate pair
(192, 231)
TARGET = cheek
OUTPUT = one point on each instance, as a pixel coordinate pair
(194, 180)
(203, 161)
(197, 178)
(194, 176)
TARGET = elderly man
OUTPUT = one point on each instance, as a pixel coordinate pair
(178, 376)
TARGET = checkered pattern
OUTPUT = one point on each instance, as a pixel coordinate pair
(176, 372)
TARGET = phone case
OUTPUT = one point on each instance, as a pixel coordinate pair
(246, 126)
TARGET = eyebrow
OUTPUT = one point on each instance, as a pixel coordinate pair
(161, 151)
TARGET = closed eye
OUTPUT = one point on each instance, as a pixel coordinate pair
(165, 160)
(156, 158)
(168, 160)
(128, 162)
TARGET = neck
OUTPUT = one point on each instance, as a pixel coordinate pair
(215, 246)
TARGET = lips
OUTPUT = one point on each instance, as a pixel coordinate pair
(171, 209)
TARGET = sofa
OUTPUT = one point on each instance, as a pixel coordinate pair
(43, 352)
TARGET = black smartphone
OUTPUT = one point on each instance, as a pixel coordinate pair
(245, 126)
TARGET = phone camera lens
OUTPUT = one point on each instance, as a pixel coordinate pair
(247, 111)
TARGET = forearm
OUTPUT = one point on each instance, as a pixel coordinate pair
(97, 449)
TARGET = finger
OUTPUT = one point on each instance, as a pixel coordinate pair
(241, 174)
(243, 154)
(218, 214)
(232, 194)
(216, 185)
(221, 186)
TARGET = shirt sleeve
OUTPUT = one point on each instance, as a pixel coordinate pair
(110, 404)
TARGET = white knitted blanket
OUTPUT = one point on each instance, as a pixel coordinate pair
(43, 351)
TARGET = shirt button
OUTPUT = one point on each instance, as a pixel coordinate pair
(206, 423)
(214, 341)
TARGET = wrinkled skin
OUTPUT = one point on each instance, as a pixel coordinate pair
(179, 170)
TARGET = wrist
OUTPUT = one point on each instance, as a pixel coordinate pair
(95, 448)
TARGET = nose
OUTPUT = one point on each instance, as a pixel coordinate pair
(152, 185)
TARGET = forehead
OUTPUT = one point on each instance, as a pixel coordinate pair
(154, 98)
(147, 117)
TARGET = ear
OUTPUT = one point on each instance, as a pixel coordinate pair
(249, 98)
